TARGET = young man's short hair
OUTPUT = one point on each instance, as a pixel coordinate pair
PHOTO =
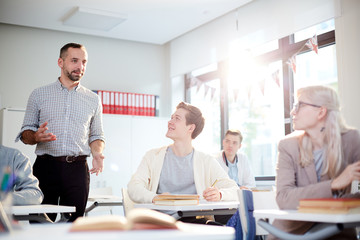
(234, 132)
(193, 116)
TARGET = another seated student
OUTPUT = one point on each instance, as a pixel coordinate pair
(25, 188)
(319, 160)
(235, 163)
(179, 168)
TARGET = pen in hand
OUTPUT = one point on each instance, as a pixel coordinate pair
(214, 183)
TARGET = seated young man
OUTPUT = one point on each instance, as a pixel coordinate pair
(179, 168)
(236, 164)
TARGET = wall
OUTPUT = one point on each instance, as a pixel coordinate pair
(348, 59)
(29, 60)
(254, 24)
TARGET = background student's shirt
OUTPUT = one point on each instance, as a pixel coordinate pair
(245, 174)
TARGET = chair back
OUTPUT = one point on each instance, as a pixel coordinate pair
(260, 200)
(245, 212)
(264, 200)
(128, 204)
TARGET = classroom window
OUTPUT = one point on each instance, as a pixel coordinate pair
(206, 96)
(255, 103)
(256, 91)
(316, 69)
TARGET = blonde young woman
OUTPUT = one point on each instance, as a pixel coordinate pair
(320, 159)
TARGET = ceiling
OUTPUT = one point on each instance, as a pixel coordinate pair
(148, 21)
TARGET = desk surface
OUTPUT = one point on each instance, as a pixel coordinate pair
(312, 217)
(61, 231)
(203, 205)
(105, 198)
(41, 208)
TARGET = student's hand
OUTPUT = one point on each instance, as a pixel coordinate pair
(42, 136)
(97, 163)
(157, 196)
(243, 187)
(212, 194)
(351, 173)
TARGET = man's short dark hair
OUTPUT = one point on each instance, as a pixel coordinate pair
(63, 50)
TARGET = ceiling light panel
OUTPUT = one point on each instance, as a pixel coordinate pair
(93, 19)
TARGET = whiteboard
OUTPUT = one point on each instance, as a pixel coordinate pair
(127, 139)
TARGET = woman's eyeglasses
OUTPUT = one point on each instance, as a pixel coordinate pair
(298, 105)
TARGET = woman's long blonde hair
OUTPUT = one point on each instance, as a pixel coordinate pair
(334, 126)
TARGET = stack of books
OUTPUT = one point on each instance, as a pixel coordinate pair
(177, 199)
(330, 205)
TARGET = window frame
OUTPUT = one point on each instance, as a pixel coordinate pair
(287, 48)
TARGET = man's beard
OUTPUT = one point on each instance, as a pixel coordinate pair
(73, 78)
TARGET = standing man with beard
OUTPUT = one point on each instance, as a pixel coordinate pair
(64, 120)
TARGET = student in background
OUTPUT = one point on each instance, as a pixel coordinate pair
(179, 168)
(64, 120)
(234, 163)
(319, 160)
(23, 185)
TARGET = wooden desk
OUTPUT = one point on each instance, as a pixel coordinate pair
(203, 208)
(103, 201)
(309, 217)
(61, 231)
(329, 224)
(38, 212)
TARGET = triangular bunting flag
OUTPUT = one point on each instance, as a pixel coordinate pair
(213, 93)
(193, 82)
(276, 77)
(292, 62)
(312, 44)
(206, 90)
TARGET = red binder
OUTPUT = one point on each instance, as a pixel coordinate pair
(117, 106)
(137, 104)
(121, 103)
(130, 104)
(106, 101)
(112, 102)
(125, 103)
(141, 105)
(152, 106)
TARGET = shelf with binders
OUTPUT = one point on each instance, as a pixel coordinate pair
(125, 103)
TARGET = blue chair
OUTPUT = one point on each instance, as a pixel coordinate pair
(248, 202)
(243, 220)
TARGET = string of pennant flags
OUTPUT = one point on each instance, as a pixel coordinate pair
(311, 43)
(275, 76)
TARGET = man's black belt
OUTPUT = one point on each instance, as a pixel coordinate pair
(68, 159)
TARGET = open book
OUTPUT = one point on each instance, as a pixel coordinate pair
(137, 218)
(329, 205)
(177, 199)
